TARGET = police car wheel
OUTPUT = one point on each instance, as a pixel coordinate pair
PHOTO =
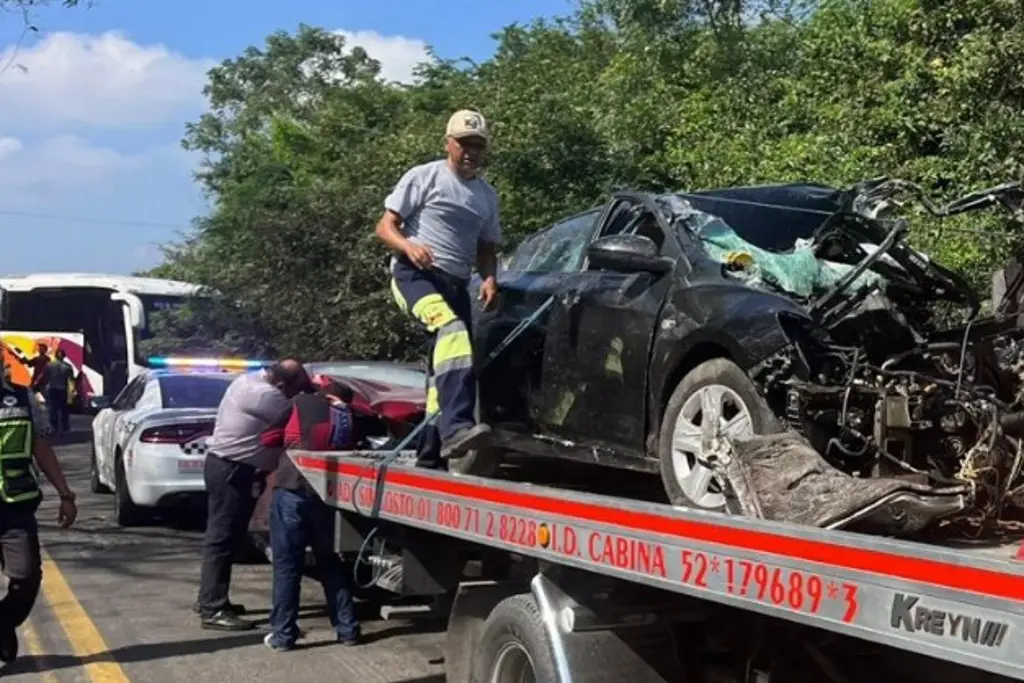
(125, 510)
(95, 485)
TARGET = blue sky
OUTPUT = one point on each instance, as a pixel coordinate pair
(93, 106)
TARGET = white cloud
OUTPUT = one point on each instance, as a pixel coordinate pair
(397, 55)
(9, 146)
(31, 173)
(104, 80)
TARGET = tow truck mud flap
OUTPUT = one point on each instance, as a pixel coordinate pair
(781, 477)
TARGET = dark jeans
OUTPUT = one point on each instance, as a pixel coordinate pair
(232, 490)
(297, 519)
(57, 405)
(19, 556)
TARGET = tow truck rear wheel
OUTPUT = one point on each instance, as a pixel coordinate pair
(714, 401)
(513, 646)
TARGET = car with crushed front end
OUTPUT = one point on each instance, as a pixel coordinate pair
(149, 442)
(789, 330)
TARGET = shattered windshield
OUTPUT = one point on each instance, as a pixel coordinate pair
(797, 271)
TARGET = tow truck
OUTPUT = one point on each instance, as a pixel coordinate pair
(544, 583)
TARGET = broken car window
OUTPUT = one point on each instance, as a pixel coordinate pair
(559, 249)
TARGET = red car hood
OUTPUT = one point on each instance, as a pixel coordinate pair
(394, 403)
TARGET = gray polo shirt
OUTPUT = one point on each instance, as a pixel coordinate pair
(250, 406)
(447, 214)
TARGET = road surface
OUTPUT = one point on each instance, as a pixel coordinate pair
(116, 606)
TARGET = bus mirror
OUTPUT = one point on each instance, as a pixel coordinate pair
(4, 303)
(135, 312)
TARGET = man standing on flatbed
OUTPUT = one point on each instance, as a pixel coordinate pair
(441, 219)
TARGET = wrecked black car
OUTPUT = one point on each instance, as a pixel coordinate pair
(776, 351)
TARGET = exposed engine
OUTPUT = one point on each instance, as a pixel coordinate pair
(880, 389)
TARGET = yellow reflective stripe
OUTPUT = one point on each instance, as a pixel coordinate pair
(433, 402)
(14, 439)
(450, 349)
(396, 294)
(21, 497)
(433, 311)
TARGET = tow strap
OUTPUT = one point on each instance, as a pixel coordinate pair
(380, 463)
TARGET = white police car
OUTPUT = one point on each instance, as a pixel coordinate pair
(149, 443)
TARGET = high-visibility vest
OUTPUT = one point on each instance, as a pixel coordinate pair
(18, 481)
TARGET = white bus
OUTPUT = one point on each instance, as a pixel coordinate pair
(106, 315)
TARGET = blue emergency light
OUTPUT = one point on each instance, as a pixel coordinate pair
(208, 363)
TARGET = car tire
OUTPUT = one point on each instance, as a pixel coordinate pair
(725, 384)
(95, 485)
(514, 644)
(126, 512)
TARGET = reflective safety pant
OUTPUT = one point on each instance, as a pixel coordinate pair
(441, 304)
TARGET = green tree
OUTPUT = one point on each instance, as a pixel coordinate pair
(303, 139)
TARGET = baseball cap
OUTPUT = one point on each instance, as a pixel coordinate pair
(467, 123)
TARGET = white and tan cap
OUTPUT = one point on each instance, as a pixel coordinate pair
(467, 123)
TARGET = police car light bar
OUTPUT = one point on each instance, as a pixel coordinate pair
(220, 363)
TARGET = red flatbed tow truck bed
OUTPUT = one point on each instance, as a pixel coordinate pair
(958, 606)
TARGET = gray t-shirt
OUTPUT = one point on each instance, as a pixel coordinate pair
(250, 406)
(447, 214)
(58, 373)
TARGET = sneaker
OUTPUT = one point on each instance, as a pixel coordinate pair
(465, 440)
(8, 647)
(269, 641)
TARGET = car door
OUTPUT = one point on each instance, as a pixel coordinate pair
(599, 336)
(510, 384)
(121, 409)
(101, 424)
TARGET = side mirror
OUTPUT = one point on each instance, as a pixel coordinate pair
(628, 254)
(136, 314)
(98, 403)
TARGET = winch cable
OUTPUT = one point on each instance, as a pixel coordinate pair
(380, 464)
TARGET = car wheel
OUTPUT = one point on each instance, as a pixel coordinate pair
(95, 485)
(713, 401)
(126, 511)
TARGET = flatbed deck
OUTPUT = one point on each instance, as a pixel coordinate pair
(960, 604)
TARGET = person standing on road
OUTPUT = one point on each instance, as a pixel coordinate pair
(38, 365)
(441, 219)
(23, 433)
(243, 450)
(58, 374)
(298, 517)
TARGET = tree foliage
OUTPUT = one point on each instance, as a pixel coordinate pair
(303, 138)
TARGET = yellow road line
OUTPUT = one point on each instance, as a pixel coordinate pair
(85, 639)
(34, 645)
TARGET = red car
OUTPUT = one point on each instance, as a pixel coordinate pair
(390, 400)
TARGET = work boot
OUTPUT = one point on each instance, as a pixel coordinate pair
(465, 440)
(8, 646)
(226, 620)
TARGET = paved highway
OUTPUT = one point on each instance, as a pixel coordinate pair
(116, 606)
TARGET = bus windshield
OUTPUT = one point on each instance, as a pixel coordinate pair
(155, 303)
